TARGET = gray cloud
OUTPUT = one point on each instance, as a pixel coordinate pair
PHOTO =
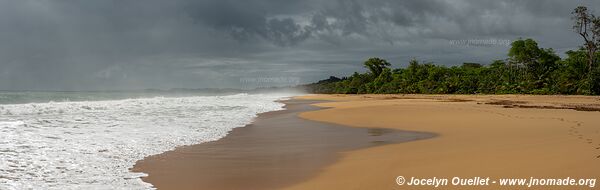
(116, 44)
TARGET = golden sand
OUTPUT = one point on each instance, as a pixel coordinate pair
(476, 139)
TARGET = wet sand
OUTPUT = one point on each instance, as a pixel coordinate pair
(496, 136)
(278, 149)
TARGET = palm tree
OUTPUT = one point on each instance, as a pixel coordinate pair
(376, 65)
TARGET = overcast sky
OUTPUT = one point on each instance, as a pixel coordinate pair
(122, 44)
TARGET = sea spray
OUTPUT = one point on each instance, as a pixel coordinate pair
(92, 144)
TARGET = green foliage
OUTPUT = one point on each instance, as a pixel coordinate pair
(376, 65)
(587, 25)
(539, 63)
(528, 70)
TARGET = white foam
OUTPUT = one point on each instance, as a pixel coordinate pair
(92, 145)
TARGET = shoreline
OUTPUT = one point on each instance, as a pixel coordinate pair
(479, 136)
(277, 150)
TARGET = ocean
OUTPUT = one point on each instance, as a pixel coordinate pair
(90, 140)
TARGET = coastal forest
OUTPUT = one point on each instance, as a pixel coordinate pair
(528, 69)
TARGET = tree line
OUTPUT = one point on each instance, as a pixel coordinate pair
(528, 69)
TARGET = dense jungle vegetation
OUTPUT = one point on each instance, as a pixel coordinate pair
(528, 69)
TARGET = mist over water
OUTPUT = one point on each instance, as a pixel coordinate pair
(23, 97)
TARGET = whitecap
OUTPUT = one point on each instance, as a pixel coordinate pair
(93, 144)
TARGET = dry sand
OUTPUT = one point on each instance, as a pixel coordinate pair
(510, 138)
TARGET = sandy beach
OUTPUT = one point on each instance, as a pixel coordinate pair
(479, 136)
(466, 136)
(278, 149)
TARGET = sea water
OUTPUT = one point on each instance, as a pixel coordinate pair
(93, 144)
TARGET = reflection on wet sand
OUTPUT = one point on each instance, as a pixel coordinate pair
(278, 149)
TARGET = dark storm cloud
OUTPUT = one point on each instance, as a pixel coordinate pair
(116, 44)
